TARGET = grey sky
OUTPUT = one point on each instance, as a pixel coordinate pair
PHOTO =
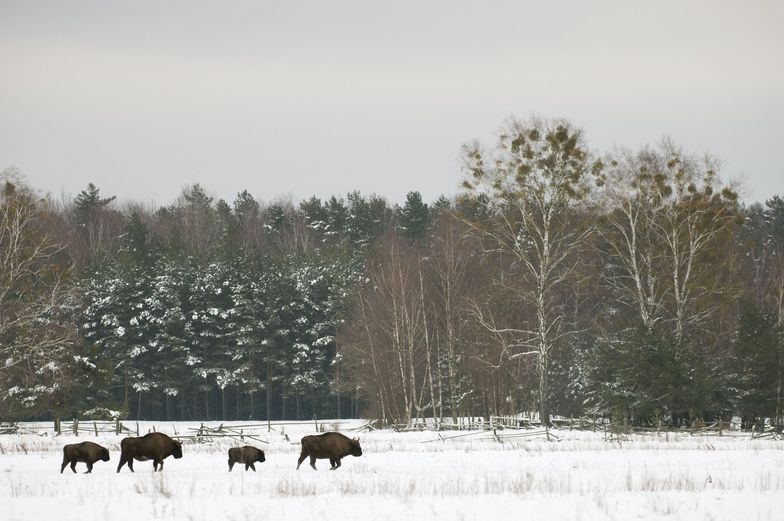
(323, 97)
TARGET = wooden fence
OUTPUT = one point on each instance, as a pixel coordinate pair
(254, 431)
(494, 427)
(91, 427)
(612, 431)
(9, 428)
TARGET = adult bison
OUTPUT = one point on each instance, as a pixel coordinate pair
(331, 445)
(85, 452)
(155, 446)
(246, 455)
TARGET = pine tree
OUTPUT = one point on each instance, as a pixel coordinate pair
(89, 200)
(413, 218)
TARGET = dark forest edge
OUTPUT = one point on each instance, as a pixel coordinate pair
(632, 285)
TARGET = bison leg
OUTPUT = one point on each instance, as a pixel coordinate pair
(73, 466)
(302, 457)
(231, 464)
(337, 464)
(313, 462)
(123, 460)
(332, 464)
(157, 465)
(252, 467)
(65, 464)
(89, 468)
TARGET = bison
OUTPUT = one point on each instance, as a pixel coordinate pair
(246, 455)
(155, 446)
(331, 445)
(85, 452)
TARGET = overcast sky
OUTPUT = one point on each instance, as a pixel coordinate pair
(323, 97)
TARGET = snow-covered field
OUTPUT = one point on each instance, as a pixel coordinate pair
(581, 477)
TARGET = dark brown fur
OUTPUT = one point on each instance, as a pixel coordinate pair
(331, 445)
(85, 452)
(155, 446)
(246, 455)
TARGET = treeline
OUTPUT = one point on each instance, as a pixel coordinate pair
(632, 284)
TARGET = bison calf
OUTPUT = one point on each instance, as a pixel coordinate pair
(246, 455)
(155, 446)
(331, 445)
(85, 452)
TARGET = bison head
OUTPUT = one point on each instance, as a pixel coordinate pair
(355, 449)
(261, 457)
(104, 454)
(177, 449)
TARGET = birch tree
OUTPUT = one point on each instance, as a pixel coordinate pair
(449, 262)
(668, 219)
(534, 178)
(36, 335)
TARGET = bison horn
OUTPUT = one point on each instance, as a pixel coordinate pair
(356, 439)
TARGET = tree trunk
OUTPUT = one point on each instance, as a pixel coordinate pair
(427, 347)
(439, 380)
(376, 371)
(223, 403)
(544, 411)
(126, 405)
(337, 386)
(269, 396)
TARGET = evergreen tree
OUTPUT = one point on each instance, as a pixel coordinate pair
(275, 217)
(315, 218)
(89, 200)
(755, 367)
(137, 239)
(367, 219)
(336, 219)
(413, 218)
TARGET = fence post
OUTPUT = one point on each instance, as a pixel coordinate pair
(57, 425)
(76, 427)
(95, 427)
(117, 426)
(137, 428)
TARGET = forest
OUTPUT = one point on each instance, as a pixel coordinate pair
(557, 280)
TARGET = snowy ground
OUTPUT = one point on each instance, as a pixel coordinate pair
(581, 477)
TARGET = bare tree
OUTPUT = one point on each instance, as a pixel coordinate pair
(667, 217)
(449, 260)
(532, 181)
(96, 227)
(33, 270)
